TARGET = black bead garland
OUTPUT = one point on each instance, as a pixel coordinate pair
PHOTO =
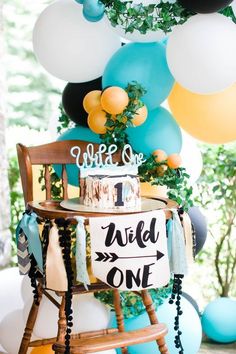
(45, 241)
(34, 275)
(176, 298)
(65, 243)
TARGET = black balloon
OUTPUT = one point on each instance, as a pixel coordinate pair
(72, 99)
(204, 6)
(200, 226)
(192, 301)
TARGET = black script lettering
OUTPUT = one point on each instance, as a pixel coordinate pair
(146, 273)
(141, 236)
(150, 234)
(131, 277)
(111, 277)
(138, 236)
(113, 236)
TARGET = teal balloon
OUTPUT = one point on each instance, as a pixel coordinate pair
(159, 131)
(190, 326)
(145, 63)
(80, 1)
(164, 41)
(92, 19)
(77, 133)
(219, 320)
(93, 10)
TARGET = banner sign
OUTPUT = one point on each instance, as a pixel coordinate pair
(129, 252)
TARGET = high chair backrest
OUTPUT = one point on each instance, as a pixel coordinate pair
(46, 155)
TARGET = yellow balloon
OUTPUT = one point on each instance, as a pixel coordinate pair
(148, 190)
(44, 349)
(210, 118)
(97, 120)
(92, 100)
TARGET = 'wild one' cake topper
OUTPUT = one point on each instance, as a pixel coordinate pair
(102, 161)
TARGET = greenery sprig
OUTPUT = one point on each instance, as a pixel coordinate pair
(153, 17)
(116, 132)
(176, 180)
(160, 16)
(64, 121)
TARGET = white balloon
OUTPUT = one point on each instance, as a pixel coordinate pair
(189, 322)
(88, 314)
(201, 53)
(70, 47)
(26, 289)
(12, 330)
(136, 36)
(191, 157)
(10, 294)
(233, 5)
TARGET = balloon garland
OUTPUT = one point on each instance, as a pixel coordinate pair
(114, 109)
(203, 6)
(72, 99)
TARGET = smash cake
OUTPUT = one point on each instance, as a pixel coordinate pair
(106, 184)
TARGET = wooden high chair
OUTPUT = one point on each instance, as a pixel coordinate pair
(89, 342)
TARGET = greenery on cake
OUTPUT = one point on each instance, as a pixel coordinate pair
(175, 179)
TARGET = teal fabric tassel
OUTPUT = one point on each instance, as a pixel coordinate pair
(30, 228)
(169, 239)
(23, 255)
(81, 265)
(176, 246)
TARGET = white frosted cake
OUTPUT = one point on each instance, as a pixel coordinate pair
(107, 185)
(112, 192)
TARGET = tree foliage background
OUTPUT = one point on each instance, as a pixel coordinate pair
(33, 95)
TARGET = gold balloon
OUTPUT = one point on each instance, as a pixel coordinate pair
(210, 118)
(148, 190)
(97, 120)
(44, 349)
(92, 100)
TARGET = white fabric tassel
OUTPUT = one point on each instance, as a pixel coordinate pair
(81, 265)
(178, 258)
(56, 277)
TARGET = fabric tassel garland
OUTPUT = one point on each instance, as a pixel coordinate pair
(81, 265)
(30, 228)
(187, 226)
(176, 245)
(56, 278)
(23, 254)
(179, 267)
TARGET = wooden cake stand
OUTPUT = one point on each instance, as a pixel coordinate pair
(52, 209)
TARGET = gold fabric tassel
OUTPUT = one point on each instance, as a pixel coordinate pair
(56, 278)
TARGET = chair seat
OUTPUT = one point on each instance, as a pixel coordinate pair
(115, 340)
